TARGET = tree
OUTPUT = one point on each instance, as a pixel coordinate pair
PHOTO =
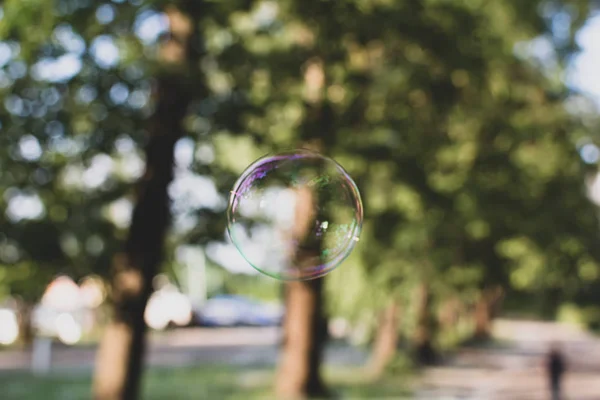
(121, 355)
(305, 325)
(52, 220)
(386, 339)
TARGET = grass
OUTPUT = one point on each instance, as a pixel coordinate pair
(214, 383)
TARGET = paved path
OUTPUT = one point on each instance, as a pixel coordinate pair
(186, 347)
(515, 371)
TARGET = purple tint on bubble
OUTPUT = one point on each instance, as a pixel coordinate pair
(255, 172)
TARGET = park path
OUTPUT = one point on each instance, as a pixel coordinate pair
(188, 347)
(514, 369)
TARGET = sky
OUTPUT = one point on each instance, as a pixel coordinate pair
(584, 73)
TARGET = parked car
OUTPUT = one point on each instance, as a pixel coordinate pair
(228, 310)
(265, 314)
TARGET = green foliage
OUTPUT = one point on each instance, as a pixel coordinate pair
(68, 142)
(462, 146)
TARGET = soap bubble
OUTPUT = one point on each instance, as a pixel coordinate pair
(295, 215)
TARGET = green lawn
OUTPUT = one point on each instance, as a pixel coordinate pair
(215, 383)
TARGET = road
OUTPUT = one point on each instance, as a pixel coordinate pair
(187, 347)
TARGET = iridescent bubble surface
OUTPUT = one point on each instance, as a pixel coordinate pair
(295, 215)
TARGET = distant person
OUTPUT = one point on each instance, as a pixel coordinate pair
(556, 368)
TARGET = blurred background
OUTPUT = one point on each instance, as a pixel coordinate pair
(470, 127)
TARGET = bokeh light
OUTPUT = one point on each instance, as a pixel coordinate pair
(68, 330)
(9, 327)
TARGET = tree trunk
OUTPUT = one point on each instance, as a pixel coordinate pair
(26, 331)
(448, 317)
(424, 351)
(305, 332)
(386, 341)
(485, 311)
(483, 319)
(120, 357)
(305, 325)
